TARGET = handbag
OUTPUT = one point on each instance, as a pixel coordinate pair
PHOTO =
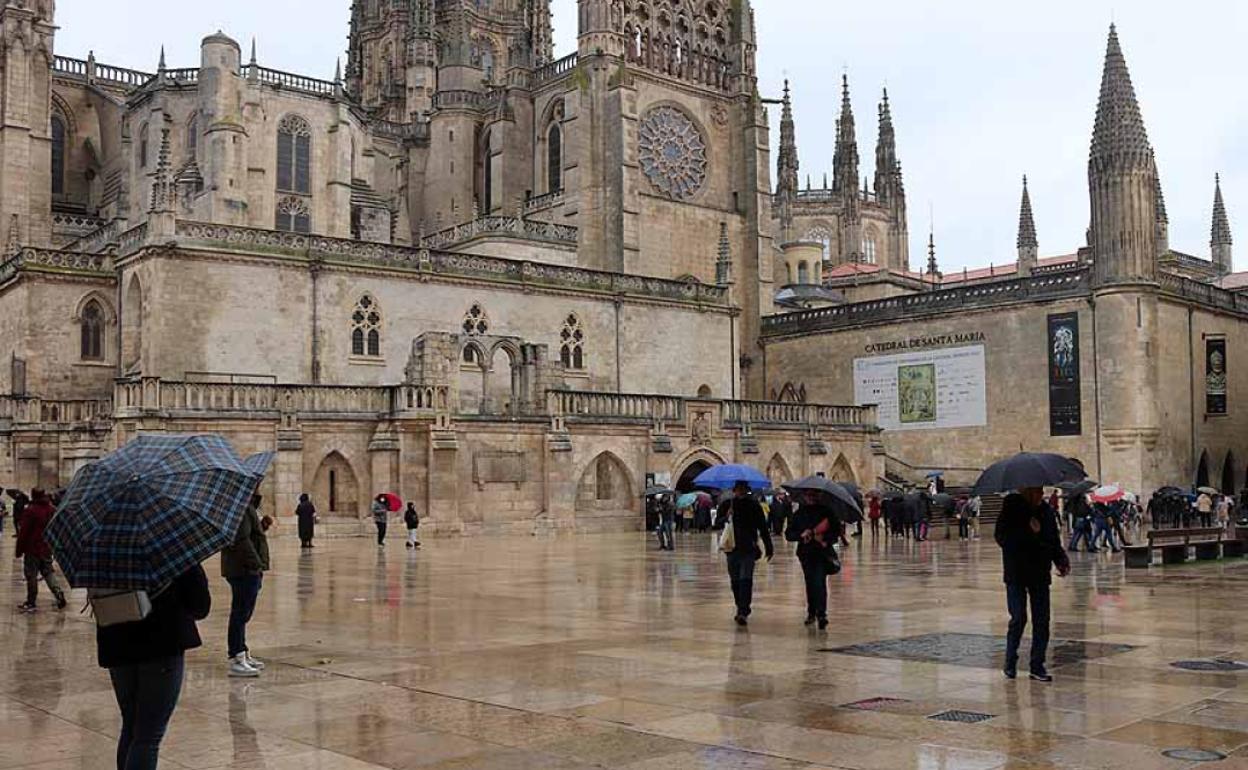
(832, 560)
(728, 538)
(113, 608)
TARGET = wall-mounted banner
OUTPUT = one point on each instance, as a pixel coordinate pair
(1065, 391)
(1215, 376)
(942, 388)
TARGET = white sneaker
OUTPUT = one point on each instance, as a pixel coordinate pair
(256, 664)
(240, 668)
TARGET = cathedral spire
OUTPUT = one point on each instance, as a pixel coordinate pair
(1122, 179)
(1221, 240)
(933, 269)
(886, 168)
(845, 160)
(786, 182)
(1163, 219)
(1028, 245)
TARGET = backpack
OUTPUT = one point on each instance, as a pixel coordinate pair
(113, 608)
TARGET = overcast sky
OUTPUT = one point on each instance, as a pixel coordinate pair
(983, 92)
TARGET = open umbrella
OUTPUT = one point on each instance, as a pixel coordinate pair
(837, 492)
(143, 515)
(688, 500)
(1208, 491)
(934, 474)
(1110, 493)
(1077, 487)
(656, 492)
(392, 501)
(728, 476)
(1027, 469)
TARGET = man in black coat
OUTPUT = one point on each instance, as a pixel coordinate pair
(749, 525)
(1031, 546)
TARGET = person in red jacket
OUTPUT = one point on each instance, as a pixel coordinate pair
(35, 552)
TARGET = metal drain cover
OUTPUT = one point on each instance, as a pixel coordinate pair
(874, 704)
(1194, 755)
(1210, 665)
(963, 717)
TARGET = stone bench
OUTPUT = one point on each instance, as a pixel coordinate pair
(1209, 544)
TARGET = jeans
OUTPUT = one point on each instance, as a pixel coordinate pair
(381, 532)
(741, 574)
(147, 694)
(666, 538)
(243, 593)
(32, 568)
(815, 571)
(964, 528)
(411, 537)
(1103, 535)
(918, 530)
(1080, 532)
(1017, 596)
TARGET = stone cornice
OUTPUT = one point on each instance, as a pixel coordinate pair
(56, 262)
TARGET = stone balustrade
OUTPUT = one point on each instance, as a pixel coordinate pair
(289, 81)
(772, 413)
(153, 395)
(30, 410)
(588, 406)
(493, 225)
(555, 70)
(56, 261)
(92, 72)
(65, 223)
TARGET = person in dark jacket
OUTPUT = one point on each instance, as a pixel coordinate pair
(35, 553)
(1031, 545)
(813, 527)
(412, 520)
(305, 512)
(743, 513)
(243, 564)
(20, 501)
(146, 661)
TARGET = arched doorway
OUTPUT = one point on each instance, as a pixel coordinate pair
(500, 383)
(1202, 470)
(1228, 474)
(685, 482)
(335, 488)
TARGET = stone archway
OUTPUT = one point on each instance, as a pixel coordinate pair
(606, 488)
(1228, 480)
(335, 488)
(1202, 470)
(778, 471)
(842, 471)
(691, 465)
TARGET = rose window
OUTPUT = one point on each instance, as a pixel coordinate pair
(672, 153)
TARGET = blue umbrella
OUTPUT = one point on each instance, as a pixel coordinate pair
(935, 474)
(148, 512)
(728, 476)
(687, 500)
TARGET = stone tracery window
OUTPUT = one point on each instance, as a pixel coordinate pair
(823, 235)
(571, 343)
(366, 328)
(672, 153)
(868, 249)
(58, 155)
(476, 322)
(554, 159)
(294, 155)
(294, 215)
(91, 326)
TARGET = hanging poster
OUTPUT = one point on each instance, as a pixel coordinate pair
(1065, 392)
(942, 388)
(1215, 375)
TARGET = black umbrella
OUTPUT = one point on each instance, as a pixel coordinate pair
(893, 494)
(1078, 487)
(838, 493)
(656, 492)
(1028, 469)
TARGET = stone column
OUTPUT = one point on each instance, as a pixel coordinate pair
(1125, 325)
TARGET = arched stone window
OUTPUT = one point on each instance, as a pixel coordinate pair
(803, 272)
(294, 155)
(366, 328)
(554, 159)
(143, 146)
(58, 155)
(91, 326)
(293, 214)
(476, 322)
(192, 135)
(571, 343)
(868, 248)
(823, 235)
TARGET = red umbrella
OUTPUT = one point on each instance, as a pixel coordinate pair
(392, 501)
(1110, 493)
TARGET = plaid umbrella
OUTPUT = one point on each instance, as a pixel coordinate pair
(148, 512)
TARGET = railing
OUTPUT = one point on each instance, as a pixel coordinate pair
(502, 225)
(556, 69)
(780, 414)
(50, 260)
(92, 71)
(1070, 283)
(445, 263)
(75, 224)
(290, 81)
(471, 100)
(23, 410)
(1204, 293)
(130, 241)
(539, 202)
(95, 242)
(588, 406)
(399, 132)
(153, 395)
(185, 76)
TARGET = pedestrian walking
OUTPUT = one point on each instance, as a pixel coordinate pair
(412, 520)
(35, 552)
(1102, 530)
(146, 661)
(1031, 546)
(812, 528)
(874, 513)
(781, 510)
(973, 507)
(381, 516)
(744, 525)
(1081, 523)
(667, 523)
(20, 501)
(243, 564)
(1204, 508)
(305, 512)
(4, 514)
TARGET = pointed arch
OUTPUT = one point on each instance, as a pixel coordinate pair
(336, 487)
(132, 326)
(1202, 470)
(691, 463)
(606, 486)
(842, 470)
(1228, 485)
(366, 322)
(779, 471)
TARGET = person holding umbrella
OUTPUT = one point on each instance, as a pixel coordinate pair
(305, 512)
(133, 529)
(814, 528)
(1030, 542)
(381, 517)
(744, 525)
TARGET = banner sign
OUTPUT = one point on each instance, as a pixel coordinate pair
(942, 388)
(1215, 376)
(1065, 391)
